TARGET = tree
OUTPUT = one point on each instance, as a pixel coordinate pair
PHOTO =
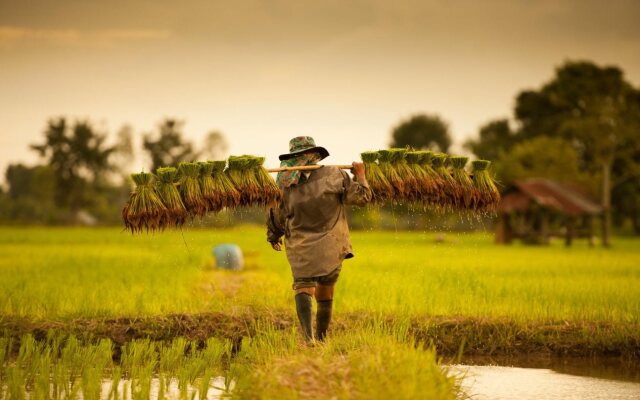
(78, 157)
(215, 146)
(24, 181)
(422, 131)
(552, 158)
(168, 147)
(495, 137)
(31, 194)
(596, 110)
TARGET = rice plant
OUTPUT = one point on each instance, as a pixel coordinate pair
(482, 180)
(380, 187)
(228, 194)
(411, 191)
(386, 157)
(271, 193)
(190, 190)
(211, 193)
(167, 180)
(448, 183)
(145, 209)
(466, 192)
(240, 173)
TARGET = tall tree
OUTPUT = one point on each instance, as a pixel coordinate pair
(167, 147)
(79, 158)
(597, 111)
(422, 131)
(495, 137)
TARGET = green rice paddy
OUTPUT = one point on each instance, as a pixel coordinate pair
(387, 300)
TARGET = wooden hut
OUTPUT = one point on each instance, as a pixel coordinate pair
(536, 209)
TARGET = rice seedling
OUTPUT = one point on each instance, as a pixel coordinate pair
(144, 208)
(423, 184)
(190, 190)
(271, 193)
(208, 187)
(167, 179)
(212, 189)
(15, 377)
(240, 172)
(467, 192)
(228, 194)
(139, 360)
(489, 194)
(6, 344)
(448, 198)
(399, 163)
(393, 177)
(433, 184)
(380, 186)
(116, 377)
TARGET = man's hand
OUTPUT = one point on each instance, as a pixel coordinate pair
(358, 171)
(277, 246)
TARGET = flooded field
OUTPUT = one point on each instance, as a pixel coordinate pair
(584, 381)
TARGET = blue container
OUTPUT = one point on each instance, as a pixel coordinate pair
(228, 256)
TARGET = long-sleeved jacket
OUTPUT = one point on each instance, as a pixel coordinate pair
(312, 219)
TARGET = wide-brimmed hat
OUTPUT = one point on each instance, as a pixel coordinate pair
(303, 144)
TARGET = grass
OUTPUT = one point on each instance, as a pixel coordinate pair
(402, 291)
(60, 273)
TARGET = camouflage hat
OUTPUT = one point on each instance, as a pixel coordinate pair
(303, 144)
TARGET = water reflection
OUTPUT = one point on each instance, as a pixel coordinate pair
(217, 390)
(496, 383)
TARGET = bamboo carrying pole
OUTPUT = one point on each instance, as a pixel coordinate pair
(307, 168)
(314, 167)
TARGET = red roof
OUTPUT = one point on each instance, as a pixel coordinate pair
(548, 194)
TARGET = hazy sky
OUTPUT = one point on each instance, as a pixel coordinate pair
(262, 72)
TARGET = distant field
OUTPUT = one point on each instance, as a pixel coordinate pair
(69, 273)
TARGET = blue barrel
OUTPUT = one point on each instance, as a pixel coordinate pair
(228, 256)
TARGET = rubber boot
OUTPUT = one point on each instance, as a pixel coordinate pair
(323, 318)
(303, 308)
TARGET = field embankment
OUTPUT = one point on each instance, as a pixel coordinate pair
(450, 336)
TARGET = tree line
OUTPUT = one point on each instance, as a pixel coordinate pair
(582, 126)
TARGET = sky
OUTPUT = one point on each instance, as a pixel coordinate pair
(262, 72)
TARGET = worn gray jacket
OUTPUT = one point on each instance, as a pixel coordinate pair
(313, 221)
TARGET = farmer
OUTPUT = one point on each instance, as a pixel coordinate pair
(313, 221)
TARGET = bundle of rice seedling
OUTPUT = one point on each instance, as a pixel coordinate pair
(228, 195)
(489, 194)
(422, 181)
(145, 208)
(428, 178)
(176, 214)
(448, 184)
(398, 161)
(466, 191)
(391, 175)
(241, 175)
(380, 187)
(207, 186)
(271, 193)
(190, 190)
(433, 183)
